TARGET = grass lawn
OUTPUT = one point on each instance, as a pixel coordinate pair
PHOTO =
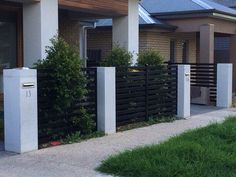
(205, 152)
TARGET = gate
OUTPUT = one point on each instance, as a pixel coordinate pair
(203, 82)
(203, 79)
(143, 93)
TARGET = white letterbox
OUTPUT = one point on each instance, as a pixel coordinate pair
(20, 110)
(183, 100)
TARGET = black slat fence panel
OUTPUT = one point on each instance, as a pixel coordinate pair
(51, 124)
(143, 93)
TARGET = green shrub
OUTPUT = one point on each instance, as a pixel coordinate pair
(150, 58)
(73, 138)
(118, 57)
(85, 123)
(63, 87)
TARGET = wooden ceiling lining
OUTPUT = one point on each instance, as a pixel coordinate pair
(101, 7)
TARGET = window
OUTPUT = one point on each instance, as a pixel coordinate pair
(222, 49)
(185, 51)
(172, 51)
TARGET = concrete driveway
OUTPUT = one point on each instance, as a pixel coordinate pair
(80, 160)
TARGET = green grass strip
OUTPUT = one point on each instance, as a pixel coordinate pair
(205, 152)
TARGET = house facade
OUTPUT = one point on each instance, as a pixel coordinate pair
(185, 31)
(26, 27)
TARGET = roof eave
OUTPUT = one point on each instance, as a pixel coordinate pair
(194, 14)
(182, 13)
(224, 13)
(166, 27)
(161, 26)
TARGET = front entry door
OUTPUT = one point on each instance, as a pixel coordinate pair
(10, 41)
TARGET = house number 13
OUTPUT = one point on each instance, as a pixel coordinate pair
(28, 93)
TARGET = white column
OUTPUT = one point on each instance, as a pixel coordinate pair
(126, 29)
(40, 24)
(106, 99)
(183, 96)
(224, 85)
(20, 110)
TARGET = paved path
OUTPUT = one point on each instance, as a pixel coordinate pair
(79, 160)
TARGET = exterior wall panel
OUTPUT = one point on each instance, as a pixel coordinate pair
(70, 30)
(102, 39)
(161, 42)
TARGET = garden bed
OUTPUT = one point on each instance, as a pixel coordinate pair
(135, 124)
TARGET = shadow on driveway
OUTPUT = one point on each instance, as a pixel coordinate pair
(4, 154)
(202, 109)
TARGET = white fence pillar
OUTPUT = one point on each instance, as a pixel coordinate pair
(20, 110)
(106, 99)
(224, 85)
(183, 96)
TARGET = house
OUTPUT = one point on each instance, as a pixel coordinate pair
(185, 31)
(26, 26)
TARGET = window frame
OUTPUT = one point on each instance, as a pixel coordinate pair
(172, 51)
(185, 49)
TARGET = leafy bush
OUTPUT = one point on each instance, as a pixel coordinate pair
(73, 138)
(85, 123)
(64, 66)
(118, 57)
(150, 58)
(63, 88)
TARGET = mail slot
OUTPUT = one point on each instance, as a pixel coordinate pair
(28, 85)
(187, 74)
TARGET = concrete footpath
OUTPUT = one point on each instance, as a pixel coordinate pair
(79, 160)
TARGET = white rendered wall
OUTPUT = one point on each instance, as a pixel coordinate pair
(40, 24)
(106, 99)
(224, 85)
(125, 30)
(183, 93)
(20, 110)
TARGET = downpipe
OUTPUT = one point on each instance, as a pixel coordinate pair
(83, 39)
